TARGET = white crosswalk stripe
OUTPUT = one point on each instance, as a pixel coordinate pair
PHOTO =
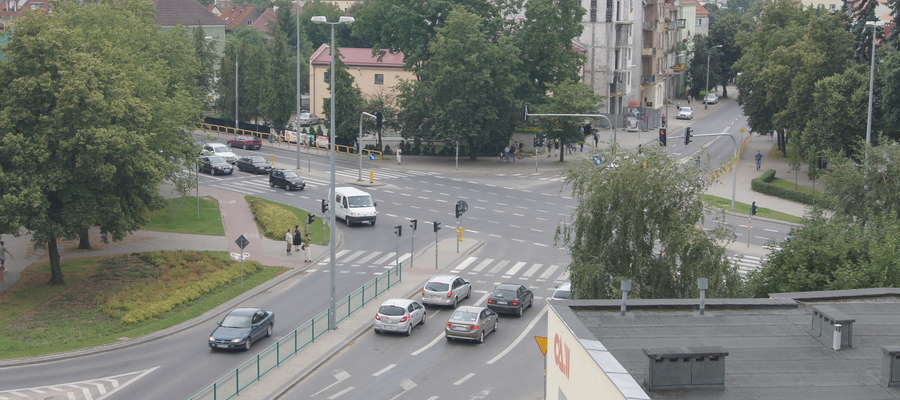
(515, 268)
(746, 263)
(549, 272)
(464, 264)
(482, 265)
(368, 257)
(351, 257)
(534, 268)
(499, 266)
(385, 258)
(564, 276)
(337, 256)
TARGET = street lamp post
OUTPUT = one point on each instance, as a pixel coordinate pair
(297, 121)
(359, 146)
(874, 25)
(319, 19)
(708, 55)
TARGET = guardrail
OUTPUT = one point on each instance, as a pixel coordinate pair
(340, 148)
(230, 385)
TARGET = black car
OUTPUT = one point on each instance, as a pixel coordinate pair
(241, 327)
(254, 164)
(510, 298)
(289, 180)
(215, 165)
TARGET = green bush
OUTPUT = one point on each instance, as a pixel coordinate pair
(764, 185)
(274, 219)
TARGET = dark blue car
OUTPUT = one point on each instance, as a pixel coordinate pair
(241, 327)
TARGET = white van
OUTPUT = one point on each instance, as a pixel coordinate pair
(220, 150)
(354, 205)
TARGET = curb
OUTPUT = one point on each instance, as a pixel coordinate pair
(344, 344)
(172, 329)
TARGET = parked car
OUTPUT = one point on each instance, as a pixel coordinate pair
(254, 164)
(241, 327)
(685, 113)
(471, 323)
(563, 291)
(510, 298)
(220, 150)
(308, 119)
(289, 180)
(246, 142)
(215, 165)
(399, 315)
(710, 98)
(446, 290)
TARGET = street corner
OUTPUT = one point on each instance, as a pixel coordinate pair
(98, 388)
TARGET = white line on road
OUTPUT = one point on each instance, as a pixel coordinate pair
(494, 235)
(518, 215)
(522, 335)
(341, 393)
(770, 230)
(339, 376)
(433, 398)
(482, 299)
(471, 231)
(427, 346)
(433, 314)
(385, 369)
(515, 268)
(536, 230)
(763, 237)
(515, 226)
(518, 240)
(390, 215)
(464, 379)
(540, 244)
(463, 265)
(406, 385)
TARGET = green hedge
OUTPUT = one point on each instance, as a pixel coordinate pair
(763, 185)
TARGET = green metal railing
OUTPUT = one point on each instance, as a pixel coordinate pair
(230, 385)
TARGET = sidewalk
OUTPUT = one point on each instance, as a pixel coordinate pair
(291, 372)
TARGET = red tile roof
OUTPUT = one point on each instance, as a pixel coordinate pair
(235, 15)
(361, 57)
(262, 22)
(701, 11)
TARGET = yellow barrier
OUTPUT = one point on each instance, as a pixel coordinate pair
(340, 148)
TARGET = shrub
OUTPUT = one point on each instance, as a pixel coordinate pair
(273, 220)
(763, 185)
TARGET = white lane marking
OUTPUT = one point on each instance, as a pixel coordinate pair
(440, 200)
(432, 315)
(763, 237)
(770, 230)
(384, 258)
(390, 215)
(70, 395)
(100, 388)
(465, 264)
(87, 394)
(433, 398)
(404, 257)
(482, 265)
(541, 211)
(385, 369)
(341, 393)
(464, 379)
(368, 257)
(338, 255)
(515, 226)
(499, 211)
(535, 230)
(482, 299)
(743, 226)
(443, 194)
(339, 376)
(515, 268)
(422, 197)
(534, 268)
(351, 257)
(502, 204)
(518, 215)
(406, 385)
(494, 235)
(472, 231)
(499, 266)
(518, 240)
(480, 208)
(427, 346)
(528, 328)
(550, 270)
(481, 200)
(540, 244)
(564, 276)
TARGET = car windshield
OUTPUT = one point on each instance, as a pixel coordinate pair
(437, 286)
(360, 201)
(686, 109)
(220, 149)
(562, 294)
(216, 160)
(304, 115)
(505, 293)
(391, 310)
(245, 138)
(236, 321)
(466, 316)
(290, 174)
(257, 160)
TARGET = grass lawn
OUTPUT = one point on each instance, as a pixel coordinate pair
(274, 219)
(162, 289)
(786, 184)
(180, 215)
(744, 208)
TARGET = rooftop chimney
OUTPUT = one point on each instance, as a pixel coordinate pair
(831, 327)
(702, 284)
(686, 368)
(625, 286)
(890, 366)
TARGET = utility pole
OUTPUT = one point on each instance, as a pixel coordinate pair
(437, 227)
(412, 236)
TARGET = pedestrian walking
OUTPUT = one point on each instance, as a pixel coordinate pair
(521, 147)
(399, 151)
(596, 140)
(3, 254)
(758, 158)
(298, 238)
(506, 153)
(288, 238)
(512, 153)
(581, 143)
(307, 248)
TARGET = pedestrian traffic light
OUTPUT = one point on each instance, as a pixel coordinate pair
(458, 211)
(310, 218)
(413, 223)
(688, 132)
(398, 230)
(379, 119)
(662, 137)
(753, 208)
(437, 226)
(324, 206)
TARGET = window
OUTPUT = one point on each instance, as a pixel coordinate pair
(327, 77)
(831, 7)
(379, 79)
(593, 10)
(699, 21)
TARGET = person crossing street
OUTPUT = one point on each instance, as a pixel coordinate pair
(288, 239)
(298, 238)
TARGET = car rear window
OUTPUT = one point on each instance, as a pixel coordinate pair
(290, 174)
(464, 316)
(257, 159)
(437, 286)
(505, 293)
(219, 149)
(216, 160)
(391, 310)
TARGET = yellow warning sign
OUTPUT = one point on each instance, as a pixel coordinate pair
(541, 343)
(742, 130)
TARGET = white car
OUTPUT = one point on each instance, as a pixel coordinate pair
(446, 290)
(685, 113)
(399, 315)
(710, 98)
(219, 150)
(353, 205)
(563, 291)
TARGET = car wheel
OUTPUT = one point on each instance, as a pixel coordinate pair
(409, 330)
(449, 339)
(377, 332)
(455, 302)
(469, 293)
(269, 331)
(347, 221)
(248, 344)
(496, 325)
(424, 317)
(271, 184)
(373, 222)
(519, 312)
(481, 337)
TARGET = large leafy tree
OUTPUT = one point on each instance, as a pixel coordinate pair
(545, 41)
(281, 99)
(348, 103)
(636, 220)
(466, 94)
(254, 64)
(697, 68)
(889, 74)
(319, 34)
(839, 123)
(568, 97)
(723, 32)
(93, 103)
(206, 56)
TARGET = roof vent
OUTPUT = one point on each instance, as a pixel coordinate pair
(686, 368)
(832, 327)
(890, 366)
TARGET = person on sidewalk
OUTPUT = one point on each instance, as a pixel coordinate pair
(581, 145)
(399, 151)
(3, 254)
(596, 140)
(307, 248)
(512, 153)
(758, 158)
(298, 238)
(288, 238)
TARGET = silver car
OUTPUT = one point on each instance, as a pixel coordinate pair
(471, 323)
(308, 119)
(711, 98)
(563, 291)
(685, 113)
(446, 290)
(399, 315)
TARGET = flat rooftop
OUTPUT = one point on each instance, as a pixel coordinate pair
(771, 353)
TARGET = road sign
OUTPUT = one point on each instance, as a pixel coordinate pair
(598, 161)
(541, 343)
(242, 242)
(240, 256)
(372, 156)
(463, 206)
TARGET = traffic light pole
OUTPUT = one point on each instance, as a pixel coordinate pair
(527, 114)
(737, 159)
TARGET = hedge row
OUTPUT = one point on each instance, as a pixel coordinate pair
(763, 185)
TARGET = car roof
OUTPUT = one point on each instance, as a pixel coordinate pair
(443, 278)
(243, 311)
(215, 144)
(508, 286)
(474, 309)
(350, 191)
(398, 302)
(564, 286)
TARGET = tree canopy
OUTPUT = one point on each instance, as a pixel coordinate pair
(568, 97)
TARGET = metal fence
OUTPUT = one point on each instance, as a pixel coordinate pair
(231, 384)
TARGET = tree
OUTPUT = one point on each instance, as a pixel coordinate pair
(723, 31)
(348, 103)
(889, 103)
(386, 104)
(317, 34)
(206, 55)
(93, 103)
(249, 46)
(281, 101)
(639, 223)
(466, 94)
(545, 43)
(839, 102)
(698, 67)
(568, 97)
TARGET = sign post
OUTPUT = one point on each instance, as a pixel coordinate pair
(242, 243)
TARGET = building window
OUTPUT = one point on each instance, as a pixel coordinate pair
(609, 10)
(699, 21)
(831, 7)
(593, 10)
(379, 79)
(327, 77)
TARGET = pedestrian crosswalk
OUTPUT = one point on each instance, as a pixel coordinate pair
(260, 185)
(366, 258)
(746, 263)
(535, 176)
(381, 173)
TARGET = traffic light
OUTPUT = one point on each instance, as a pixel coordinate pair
(687, 135)
(458, 211)
(379, 119)
(310, 218)
(413, 223)
(753, 208)
(662, 137)
(324, 206)
(437, 226)
(398, 230)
